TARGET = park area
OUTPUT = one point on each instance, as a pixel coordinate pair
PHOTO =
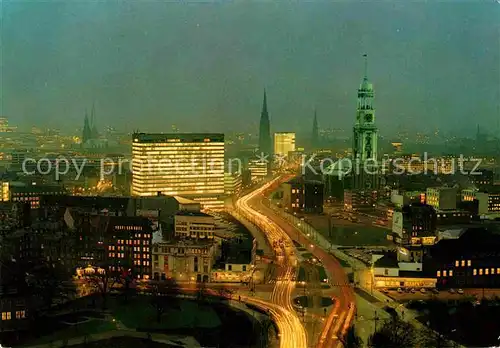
(211, 322)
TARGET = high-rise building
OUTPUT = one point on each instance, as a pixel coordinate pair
(265, 145)
(187, 165)
(284, 143)
(258, 169)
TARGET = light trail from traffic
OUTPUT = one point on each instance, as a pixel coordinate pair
(341, 315)
(292, 332)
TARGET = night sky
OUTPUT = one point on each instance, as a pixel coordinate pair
(203, 66)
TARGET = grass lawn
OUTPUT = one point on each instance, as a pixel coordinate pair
(139, 313)
(124, 342)
(302, 274)
(70, 331)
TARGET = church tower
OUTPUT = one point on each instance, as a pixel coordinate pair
(365, 132)
(94, 134)
(86, 134)
(265, 144)
(315, 132)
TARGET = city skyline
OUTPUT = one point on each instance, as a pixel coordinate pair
(214, 80)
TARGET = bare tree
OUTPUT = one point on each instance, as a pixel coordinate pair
(351, 339)
(102, 280)
(395, 333)
(164, 296)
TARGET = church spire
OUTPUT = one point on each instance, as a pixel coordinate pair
(264, 129)
(264, 106)
(365, 56)
(315, 130)
(93, 128)
(86, 129)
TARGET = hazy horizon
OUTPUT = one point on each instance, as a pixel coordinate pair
(204, 66)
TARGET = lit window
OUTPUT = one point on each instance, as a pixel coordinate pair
(444, 273)
(457, 263)
(474, 272)
(480, 271)
(439, 273)
(6, 315)
(463, 263)
(469, 263)
(487, 271)
(20, 314)
(492, 271)
(450, 273)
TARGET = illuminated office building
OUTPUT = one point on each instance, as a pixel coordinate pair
(258, 169)
(186, 165)
(4, 191)
(284, 143)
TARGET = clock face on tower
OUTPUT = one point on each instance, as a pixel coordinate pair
(368, 118)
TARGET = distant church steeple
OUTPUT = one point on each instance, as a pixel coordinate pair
(315, 135)
(365, 132)
(93, 129)
(86, 134)
(264, 129)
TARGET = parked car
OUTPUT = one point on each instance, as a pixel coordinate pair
(460, 291)
(435, 291)
(412, 291)
(423, 291)
(451, 291)
(400, 290)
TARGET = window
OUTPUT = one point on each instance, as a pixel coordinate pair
(438, 274)
(20, 314)
(244, 268)
(463, 263)
(474, 272)
(498, 270)
(480, 271)
(444, 273)
(492, 271)
(230, 267)
(450, 273)
(469, 263)
(486, 271)
(457, 263)
(6, 315)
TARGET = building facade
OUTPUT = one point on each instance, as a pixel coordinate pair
(442, 198)
(284, 144)
(232, 183)
(303, 196)
(187, 165)
(194, 225)
(184, 260)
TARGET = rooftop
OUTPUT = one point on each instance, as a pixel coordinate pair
(386, 261)
(192, 213)
(177, 137)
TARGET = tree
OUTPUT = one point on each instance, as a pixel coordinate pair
(164, 296)
(49, 281)
(395, 333)
(201, 291)
(351, 339)
(102, 280)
